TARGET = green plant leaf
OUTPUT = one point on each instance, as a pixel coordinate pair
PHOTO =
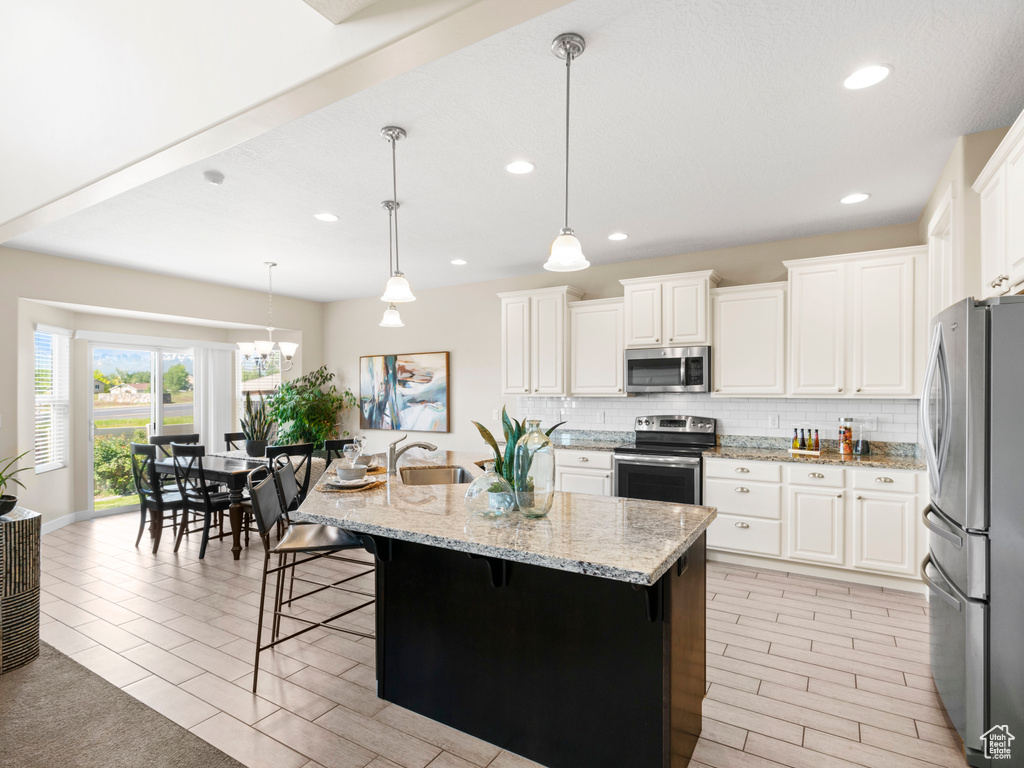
(548, 433)
(485, 433)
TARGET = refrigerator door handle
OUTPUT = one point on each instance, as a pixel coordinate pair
(936, 445)
(949, 598)
(935, 525)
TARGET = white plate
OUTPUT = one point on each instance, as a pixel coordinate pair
(350, 483)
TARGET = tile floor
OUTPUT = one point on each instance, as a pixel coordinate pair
(802, 672)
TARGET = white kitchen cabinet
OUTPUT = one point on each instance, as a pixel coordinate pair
(748, 352)
(583, 472)
(884, 532)
(669, 310)
(857, 324)
(1001, 187)
(535, 341)
(816, 525)
(596, 344)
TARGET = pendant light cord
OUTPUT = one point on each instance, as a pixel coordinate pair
(568, 68)
(391, 257)
(394, 197)
(270, 300)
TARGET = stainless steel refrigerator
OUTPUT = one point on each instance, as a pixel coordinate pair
(972, 416)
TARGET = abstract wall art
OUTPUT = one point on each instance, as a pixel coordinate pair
(406, 392)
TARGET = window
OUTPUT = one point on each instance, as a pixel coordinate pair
(52, 386)
(259, 379)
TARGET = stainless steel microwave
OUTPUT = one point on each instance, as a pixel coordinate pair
(668, 369)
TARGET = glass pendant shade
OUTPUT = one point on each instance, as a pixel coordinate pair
(246, 348)
(288, 349)
(397, 290)
(391, 318)
(566, 254)
(264, 347)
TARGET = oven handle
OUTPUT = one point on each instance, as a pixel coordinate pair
(656, 461)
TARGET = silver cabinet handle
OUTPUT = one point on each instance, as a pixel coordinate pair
(1003, 279)
(741, 489)
(816, 475)
(582, 458)
(742, 525)
(883, 480)
(742, 469)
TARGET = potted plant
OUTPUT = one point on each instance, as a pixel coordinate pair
(256, 426)
(306, 409)
(504, 462)
(7, 477)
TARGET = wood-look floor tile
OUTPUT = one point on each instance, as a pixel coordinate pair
(315, 656)
(750, 720)
(65, 639)
(203, 631)
(362, 675)
(339, 690)
(896, 651)
(723, 733)
(213, 660)
(507, 759)
(68, 614)
(715, 755)
(289, 696)
(111, 666)
(719, 636)
(929, 697)
(241, 704)
(859, 713)
(150, 608)
(712, 646)
(791, 755)
(921, 682)
(747, 607)
(319, 743)
(162, 663)
(792, 713)
(170, 701)
(833, 633)
(916, 621)
(829, 656)
(105, 633)
(463, 745)
(108, 611)
(731, 679)
(69, 575)
(739, 666)
(448, 760)
(728, 618)
(876, 660)
(862, 754)
(397, 746)
(879, 702)
(247, 745)
(343, 646)
(155, 633)
(766, 631)
(882, 626)
(189, 607)
(944, 735)
(751, 586)
(911, 747)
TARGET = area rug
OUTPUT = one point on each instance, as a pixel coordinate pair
(55, 713)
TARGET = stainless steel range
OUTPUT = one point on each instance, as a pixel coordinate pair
(665, 462)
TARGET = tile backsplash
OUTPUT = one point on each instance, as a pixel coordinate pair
(897, 419)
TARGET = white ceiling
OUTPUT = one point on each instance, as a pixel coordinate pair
(695, 125)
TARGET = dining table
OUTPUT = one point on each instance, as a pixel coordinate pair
(231, 473)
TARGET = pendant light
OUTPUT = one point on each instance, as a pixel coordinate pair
(262, 348)
(391, 317)
(397, 289)
(566, 251)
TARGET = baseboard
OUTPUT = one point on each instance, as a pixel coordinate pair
(903, 583)
(77, 517)
(59, 523)
(87, 515)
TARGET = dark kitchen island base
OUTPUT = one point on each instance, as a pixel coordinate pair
(569, 670)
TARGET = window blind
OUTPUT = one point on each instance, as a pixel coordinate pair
(52, 394)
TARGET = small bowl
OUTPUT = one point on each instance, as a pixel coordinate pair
(348, 474)
(368, 460)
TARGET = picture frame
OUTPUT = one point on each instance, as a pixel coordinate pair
(408, 392)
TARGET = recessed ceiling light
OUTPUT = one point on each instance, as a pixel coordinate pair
(325, 217)
(459, 262)
(520, 167)
(868, 76)
(213, 177)
(856, 197)
(617, 236)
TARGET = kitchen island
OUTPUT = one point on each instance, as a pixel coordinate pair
(576, 640)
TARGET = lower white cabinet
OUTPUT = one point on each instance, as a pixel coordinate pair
(583, 472)
(816, 525)
(861, 519)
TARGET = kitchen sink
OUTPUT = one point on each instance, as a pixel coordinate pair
(434, 475)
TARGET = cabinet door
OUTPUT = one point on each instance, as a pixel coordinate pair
(749, 347)
(643, 315)
(816, 523)
(596, 344)
(515, 346)
(883, 532)
(884, 327)
(993, 237)
(1014, 217)
(547, 342)
(595, 482)
(685, 312)
(817, 330)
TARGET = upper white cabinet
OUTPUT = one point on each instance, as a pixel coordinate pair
(857, 324)
(1001, 187)
(669, 310)
(748, 354)
(535, 340)
(596, 344)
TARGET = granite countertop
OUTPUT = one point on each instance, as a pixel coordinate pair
(621, 539)
(770, 454)
(585, 444)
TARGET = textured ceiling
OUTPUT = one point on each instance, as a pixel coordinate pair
(696, 125)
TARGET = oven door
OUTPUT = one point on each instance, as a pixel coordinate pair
(657, 478)
(675, 369)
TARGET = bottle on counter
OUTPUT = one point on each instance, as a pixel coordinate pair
(803, 441)
(796, 442)
(817, 445)
(846, 437)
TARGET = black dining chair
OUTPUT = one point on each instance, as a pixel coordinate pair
(334, 449)
(313, 542)
(198, 497)
(154, 498)
(234, 441)
(301, 455)
(163, 443)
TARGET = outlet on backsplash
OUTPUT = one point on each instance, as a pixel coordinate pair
(773, 421)
(871, 424)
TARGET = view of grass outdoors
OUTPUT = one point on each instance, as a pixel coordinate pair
(125, 408)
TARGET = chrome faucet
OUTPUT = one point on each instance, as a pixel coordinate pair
(394, 452)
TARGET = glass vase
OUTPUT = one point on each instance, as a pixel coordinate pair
(490, 495)
(534, 472)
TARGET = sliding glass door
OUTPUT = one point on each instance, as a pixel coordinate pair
(137, 393)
